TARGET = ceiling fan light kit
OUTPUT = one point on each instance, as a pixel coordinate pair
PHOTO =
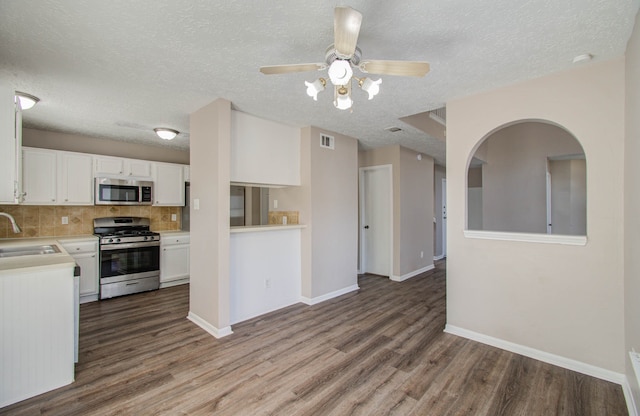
(342, 57)
(342, 97)
(313, 88)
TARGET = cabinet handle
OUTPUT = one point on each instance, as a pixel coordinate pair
(53, 200)
(66, 200)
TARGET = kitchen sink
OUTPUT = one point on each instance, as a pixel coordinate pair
(28, 250)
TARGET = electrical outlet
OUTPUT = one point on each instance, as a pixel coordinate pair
(267, 283)
(174, 217)
(65, 220)
(421, 254)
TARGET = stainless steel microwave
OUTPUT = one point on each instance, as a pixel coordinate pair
(111, 191)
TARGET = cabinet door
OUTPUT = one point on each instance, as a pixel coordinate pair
(75, 183)
(138, 168)
(88, 263)
(109, 165)
(174, 262)
(39, 176)
(168, 184)
(10, 142)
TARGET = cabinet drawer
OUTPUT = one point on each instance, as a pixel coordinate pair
(172, 240)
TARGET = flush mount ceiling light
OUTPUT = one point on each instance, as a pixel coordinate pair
(26, 100)
(166, 134)
(582, 58)
(342, 57)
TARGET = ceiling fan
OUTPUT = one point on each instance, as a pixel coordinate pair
(344, 55)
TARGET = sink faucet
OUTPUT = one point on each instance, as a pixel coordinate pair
(16, 229)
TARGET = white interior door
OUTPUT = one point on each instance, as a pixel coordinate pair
(376, 219)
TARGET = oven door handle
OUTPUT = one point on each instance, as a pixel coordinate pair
(120, 246)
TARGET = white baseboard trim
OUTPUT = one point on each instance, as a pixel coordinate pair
(628, 397)
(569, 364)
(218, 333)
(440, 257)
(411, 274)
(331, 295)
(176, 282)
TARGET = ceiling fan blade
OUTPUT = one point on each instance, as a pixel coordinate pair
(403, 68)
(286, 69)
(346, 28)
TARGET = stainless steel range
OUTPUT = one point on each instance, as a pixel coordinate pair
(129, 256)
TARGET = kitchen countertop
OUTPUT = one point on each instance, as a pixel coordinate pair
(172, 232)
(39, 261)
(270, 227)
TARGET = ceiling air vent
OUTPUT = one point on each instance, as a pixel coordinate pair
(326, 141)
(439, 115)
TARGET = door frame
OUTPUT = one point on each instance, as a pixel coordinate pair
(443, 216)
(361, 173)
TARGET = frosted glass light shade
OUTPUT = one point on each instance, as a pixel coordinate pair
(371, 87)
(340, 72)
(343, 99)
(313, 88)
(26, 100)
(166, 134)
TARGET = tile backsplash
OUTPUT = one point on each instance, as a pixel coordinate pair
(276, 217)
(46, 220)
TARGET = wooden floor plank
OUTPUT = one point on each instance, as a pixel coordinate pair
(378, 351)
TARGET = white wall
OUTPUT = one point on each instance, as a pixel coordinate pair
(85, 144)
(413, 207)
(263, 151)
(327, 201)
(558, 299)
(632, 205)
(514, 175)
(210, 129)
(265, 272)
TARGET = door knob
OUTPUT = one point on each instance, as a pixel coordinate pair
(366, 227)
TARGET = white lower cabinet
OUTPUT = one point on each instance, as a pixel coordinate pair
(174, 258)
(84, 251)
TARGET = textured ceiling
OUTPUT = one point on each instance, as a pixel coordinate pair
(117, 69)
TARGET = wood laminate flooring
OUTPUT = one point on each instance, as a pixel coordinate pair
(378, 351)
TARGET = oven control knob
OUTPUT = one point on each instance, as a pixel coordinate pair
(117, 240)
(146, 238)
(111, 240)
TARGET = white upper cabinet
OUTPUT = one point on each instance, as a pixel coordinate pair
(117, 166)
(168, 184)
(264, 152)
(75, 182)
(138, 168)
(10, 146)
(54, 177)
(39, 176)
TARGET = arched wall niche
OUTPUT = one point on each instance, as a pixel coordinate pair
(528, 177)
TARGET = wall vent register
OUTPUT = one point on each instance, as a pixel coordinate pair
(326, 141)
